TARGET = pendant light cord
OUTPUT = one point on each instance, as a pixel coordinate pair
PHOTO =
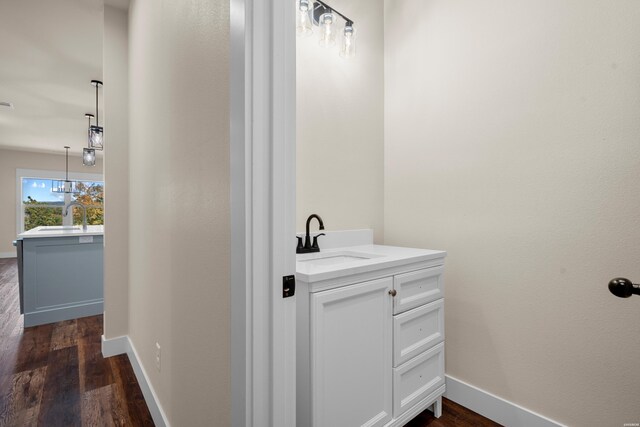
(89, 141)
(97, 115)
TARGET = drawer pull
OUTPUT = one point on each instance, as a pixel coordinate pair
(393, 292)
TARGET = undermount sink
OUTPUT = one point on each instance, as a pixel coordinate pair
(333, 258)
(63, 228)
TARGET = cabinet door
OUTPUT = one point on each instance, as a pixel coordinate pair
(351, 352)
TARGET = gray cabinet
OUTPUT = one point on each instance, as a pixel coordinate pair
(62, 278)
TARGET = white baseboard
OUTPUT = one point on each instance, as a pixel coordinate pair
(114, 346)
(123, 345)
(493, 407)
(8, 254)
(150, 396)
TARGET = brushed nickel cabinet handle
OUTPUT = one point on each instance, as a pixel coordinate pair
(393, 292)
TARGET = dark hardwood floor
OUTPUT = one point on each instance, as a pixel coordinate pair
(452, 415)
(55, 375)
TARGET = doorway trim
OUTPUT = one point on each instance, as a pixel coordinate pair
(262, 81)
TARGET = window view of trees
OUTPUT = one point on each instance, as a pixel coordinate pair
(43, 213)
(42, 208)
(92, 196)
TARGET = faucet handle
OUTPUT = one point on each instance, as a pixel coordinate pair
(314, 245)
(299, 247)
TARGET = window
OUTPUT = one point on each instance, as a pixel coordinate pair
(38, 205)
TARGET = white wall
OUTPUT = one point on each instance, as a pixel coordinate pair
(179, 204)
(511, 141)
(116, 172)
(10, 160)
(340, 125)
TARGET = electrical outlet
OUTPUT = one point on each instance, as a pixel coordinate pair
(158, 356)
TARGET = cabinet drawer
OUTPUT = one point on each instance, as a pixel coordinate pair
(417, 330)
(416, 379)
(417, 288)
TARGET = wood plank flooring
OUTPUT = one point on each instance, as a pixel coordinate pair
(452, 415)
(55, 375)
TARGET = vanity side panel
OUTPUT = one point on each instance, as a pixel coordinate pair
(303, 356)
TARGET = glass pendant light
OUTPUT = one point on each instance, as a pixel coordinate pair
(65, 186)
(96, 133)
(303, 18)
(327, 32)
(89, 154)
(348, 45)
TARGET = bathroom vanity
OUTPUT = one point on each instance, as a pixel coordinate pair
(370, 335)
(60, 271)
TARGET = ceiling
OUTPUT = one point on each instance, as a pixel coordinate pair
(49, 51)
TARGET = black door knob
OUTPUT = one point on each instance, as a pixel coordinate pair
(623, 288)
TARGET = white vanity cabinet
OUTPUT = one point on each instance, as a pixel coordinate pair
(370, 338)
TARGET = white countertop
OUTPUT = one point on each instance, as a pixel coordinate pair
(60, 231)
(381, 257)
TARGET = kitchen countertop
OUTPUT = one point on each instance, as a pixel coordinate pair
(381, 257)
(58, 231)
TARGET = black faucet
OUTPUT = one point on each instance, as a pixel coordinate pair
(308, 246)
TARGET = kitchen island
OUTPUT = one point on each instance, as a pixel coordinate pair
(60, 271)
